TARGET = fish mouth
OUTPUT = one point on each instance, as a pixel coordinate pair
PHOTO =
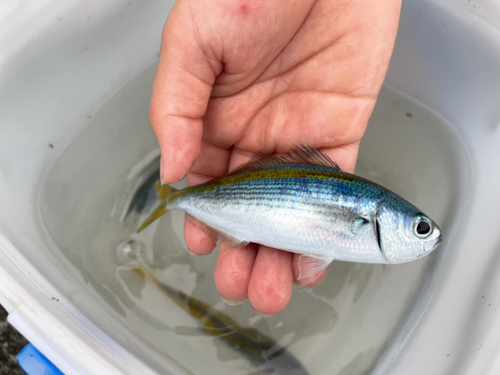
(438, 242)
(429, 248)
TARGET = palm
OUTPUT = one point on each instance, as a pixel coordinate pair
(265, 76)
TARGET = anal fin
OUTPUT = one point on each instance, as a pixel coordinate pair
(234, 241)
(224, 236)
(311, 266)
(229, 238)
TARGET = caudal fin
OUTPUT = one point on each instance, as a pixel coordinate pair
(163, 193)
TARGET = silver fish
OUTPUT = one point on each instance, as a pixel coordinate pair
(305, 204)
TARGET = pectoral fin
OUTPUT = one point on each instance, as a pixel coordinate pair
(357, 223)
(311, 266)
(356, 220)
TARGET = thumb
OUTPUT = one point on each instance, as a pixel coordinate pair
(181, 90)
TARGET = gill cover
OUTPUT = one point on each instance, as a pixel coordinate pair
(405, 234)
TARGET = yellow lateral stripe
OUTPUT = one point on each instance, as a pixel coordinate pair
(270, 174)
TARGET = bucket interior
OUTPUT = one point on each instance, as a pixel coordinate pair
(90, 211)
(73, 199)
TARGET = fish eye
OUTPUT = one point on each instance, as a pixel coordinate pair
(422, 227)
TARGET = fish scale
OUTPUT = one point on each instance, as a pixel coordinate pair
(305, 204)
(308, 210)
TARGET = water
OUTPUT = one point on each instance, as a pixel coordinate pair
(341, 327)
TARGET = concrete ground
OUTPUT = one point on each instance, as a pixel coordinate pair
(11, 343)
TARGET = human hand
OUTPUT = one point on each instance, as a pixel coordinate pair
(239, 76)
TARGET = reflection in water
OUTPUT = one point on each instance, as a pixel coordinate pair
(259, 348)
(362, 364)
(134, 287)
(347, 274)
(100, 187)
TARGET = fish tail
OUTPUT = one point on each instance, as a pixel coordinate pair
(169, 291)
(150, 277)
(163, 192)
(194, 307)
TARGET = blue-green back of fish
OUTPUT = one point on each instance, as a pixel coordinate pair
(305, 204)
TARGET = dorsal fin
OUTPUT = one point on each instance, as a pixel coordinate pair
(298, 155)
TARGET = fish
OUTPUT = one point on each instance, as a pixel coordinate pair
(304, 203)
(140, 200)
(260, 349)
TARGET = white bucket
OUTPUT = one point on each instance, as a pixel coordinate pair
(75, 146)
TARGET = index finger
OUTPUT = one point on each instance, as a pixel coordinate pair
(181, 90)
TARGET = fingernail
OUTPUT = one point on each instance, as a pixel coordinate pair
(168, 178)
(298, 285)
(232, 302)
(198, 255)
(262, 314)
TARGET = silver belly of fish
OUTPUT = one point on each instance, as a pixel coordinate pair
(309, 230)
(305, 204)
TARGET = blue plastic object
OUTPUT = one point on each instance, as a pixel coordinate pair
(35, 363)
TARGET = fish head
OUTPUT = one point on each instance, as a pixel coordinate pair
(405, 233)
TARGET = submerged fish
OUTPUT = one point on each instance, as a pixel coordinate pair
(304, 203)
(260, 349)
